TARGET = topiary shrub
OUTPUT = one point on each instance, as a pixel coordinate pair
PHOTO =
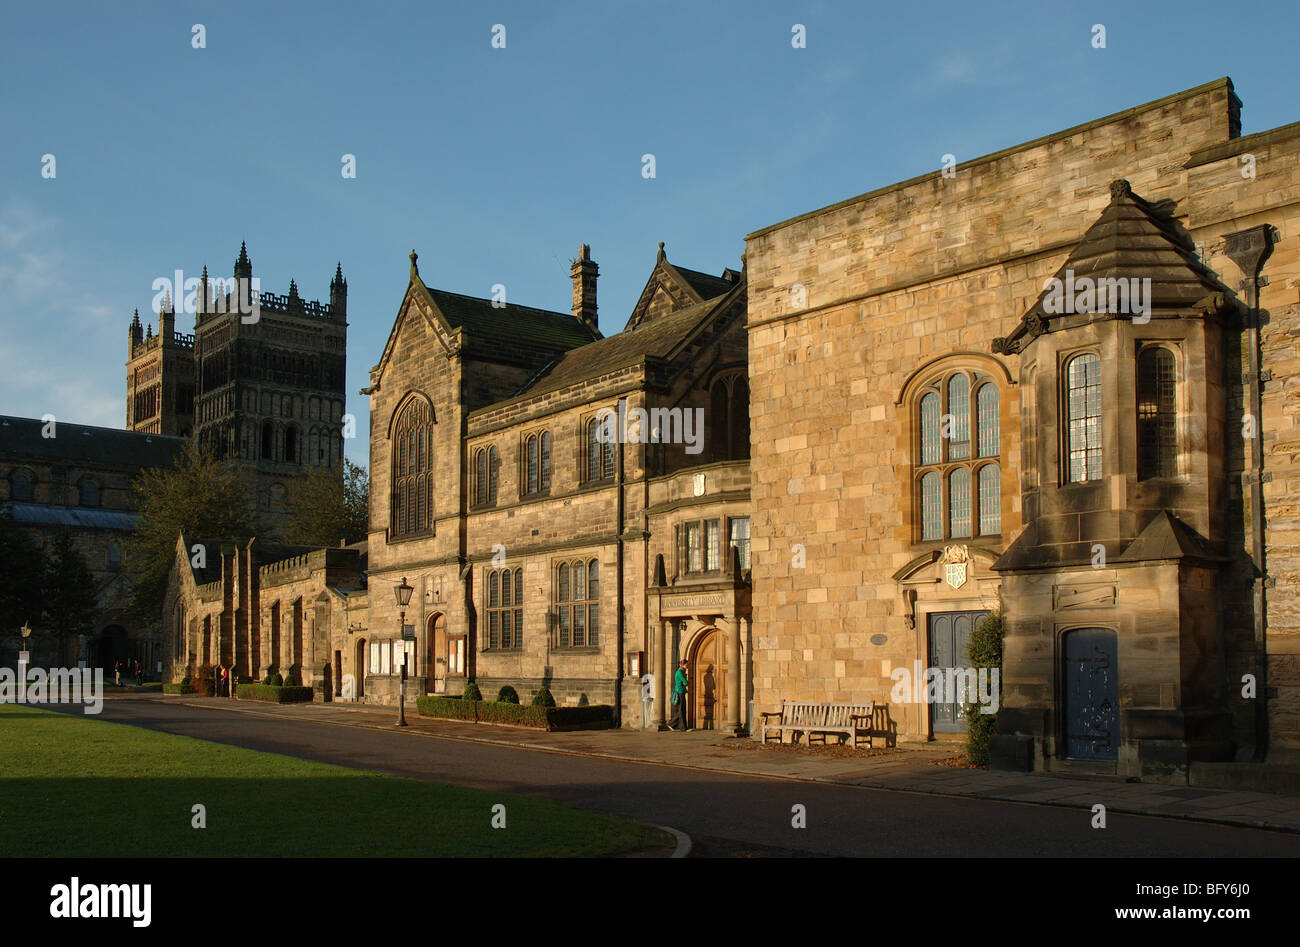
(205, 680)
(471, 692)
(266, 678)
(293, 678)
(277, 680)
(543, 698)
(985, 652)
(507, 695)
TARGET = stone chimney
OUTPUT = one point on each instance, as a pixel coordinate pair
(584, 275)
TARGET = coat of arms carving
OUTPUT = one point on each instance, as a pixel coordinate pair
(956, 562)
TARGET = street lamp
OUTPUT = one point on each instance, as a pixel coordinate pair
(403, 593)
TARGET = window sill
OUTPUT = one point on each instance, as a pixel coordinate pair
(584, 649)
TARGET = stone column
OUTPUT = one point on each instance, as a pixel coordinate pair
(732, 721)
(663, 680)
(746, 673)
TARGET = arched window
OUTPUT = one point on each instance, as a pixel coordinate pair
(505, 613)
(990, 500)
(1157, 414)
(21, 484)
(268, 441)
(600, 448)
(114, 556)
(291, 444)
(987, 419)
(89, 493)
(956, 434)
(1083, 414)
(546, 460)
(487, 462)
(412, 464)
(532, 478)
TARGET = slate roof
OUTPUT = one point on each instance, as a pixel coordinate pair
(92, 445)
(510, 323)
(1133, 239)
(709, 287)
(38, 514)
(654, 339)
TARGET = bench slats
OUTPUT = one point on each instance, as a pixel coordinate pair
(854, 721)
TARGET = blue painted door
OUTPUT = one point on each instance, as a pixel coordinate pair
(1091, 695)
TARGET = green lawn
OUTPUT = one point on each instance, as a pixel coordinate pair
(74, 786)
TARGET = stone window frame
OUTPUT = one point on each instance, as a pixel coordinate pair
(746, 561)
(566, 604)
(683, 552)
(1066, 359)
(730, 446)
(1171, 348)
(494, 582)
(29, 475)
(97, 496)
(586, 439)
(485, 477)
(543, 442)
(936, 379)
(411, 464)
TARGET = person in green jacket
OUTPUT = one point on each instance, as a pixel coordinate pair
(680, 686)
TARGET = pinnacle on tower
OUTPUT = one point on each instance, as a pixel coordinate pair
(415, 270)
(243, 265)
(293, 289)
(661, 255)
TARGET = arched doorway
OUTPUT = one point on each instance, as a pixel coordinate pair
(435, 645)
(359, 669)
(111, 648)
(709, 679)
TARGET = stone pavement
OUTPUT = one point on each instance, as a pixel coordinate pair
(910, 767)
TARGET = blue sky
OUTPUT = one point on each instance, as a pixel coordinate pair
(496, 163)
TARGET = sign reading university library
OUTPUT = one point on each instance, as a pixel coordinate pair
(695, 603)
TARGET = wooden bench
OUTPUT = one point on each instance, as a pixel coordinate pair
(817, 720)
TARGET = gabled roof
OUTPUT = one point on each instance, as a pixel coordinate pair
(542, 330)
(91, 445)
(1133, 239)
(659, 338)
(510, 323)
(687, 288)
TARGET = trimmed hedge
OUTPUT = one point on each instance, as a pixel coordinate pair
(181, 688)
(278, 695)
(471, 692)
(540, 718)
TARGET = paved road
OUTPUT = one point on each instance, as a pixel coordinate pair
(724, 814)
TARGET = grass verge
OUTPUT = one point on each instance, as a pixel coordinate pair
(73, 786)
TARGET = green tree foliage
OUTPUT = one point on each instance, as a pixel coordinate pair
(985, 652)
(22, 570)
(325, 507)
(204, 497)
(69, 593)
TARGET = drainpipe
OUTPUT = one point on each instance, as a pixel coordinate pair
(618, 578)
(1249, 249)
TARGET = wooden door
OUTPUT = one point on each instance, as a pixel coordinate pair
(437, 651)
(950, 634)
(1091, 695)
(709, 680)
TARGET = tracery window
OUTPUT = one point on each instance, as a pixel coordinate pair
(412, 460)
(957, 480)
(505, 612)
(577, 598)
(537, 464)
(487, 464)
(600, 450)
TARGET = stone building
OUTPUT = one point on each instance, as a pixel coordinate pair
(57, 477)
(929, 411)
(936, 435)
(260, 381)
(566, 507)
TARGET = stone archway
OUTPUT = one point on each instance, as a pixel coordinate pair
(708, 679)
(359, 670)
(435, 643)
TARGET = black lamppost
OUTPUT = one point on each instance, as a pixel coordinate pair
(403, 593)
